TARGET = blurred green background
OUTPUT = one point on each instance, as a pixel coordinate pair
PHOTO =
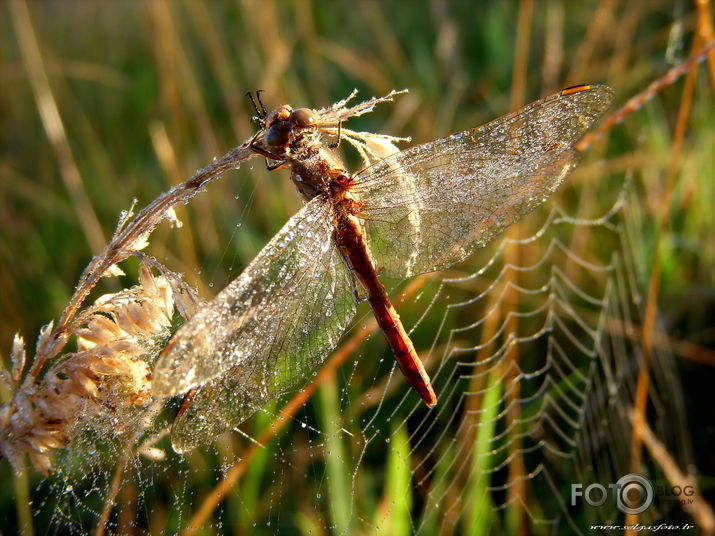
(101, 103)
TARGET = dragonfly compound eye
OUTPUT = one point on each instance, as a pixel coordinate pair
(278, 134)
(301, 118)
(282, 113)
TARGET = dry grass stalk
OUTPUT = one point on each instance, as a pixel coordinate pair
(699, 508)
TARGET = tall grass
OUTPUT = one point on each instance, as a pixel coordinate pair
(105, 103)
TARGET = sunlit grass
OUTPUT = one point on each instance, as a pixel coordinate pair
(148, 93)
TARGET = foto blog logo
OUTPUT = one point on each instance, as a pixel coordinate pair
(632, 494)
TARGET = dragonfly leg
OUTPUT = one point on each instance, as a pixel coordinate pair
(359, 297)
(272, 167)
(259, 115)
(261, 151)
(336, 144)
(258, 96)
(267, 154)
(186, 402)
(358, 289)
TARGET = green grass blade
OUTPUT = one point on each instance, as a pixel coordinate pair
(436, 496)
(393, 515)
(337, 468)
(480, 514)
(250, 490)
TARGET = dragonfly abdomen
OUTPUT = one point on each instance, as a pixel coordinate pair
(351, 244)
(404, 351)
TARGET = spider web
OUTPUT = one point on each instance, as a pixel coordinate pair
(542, 398)
(533, 355)
(535, 377)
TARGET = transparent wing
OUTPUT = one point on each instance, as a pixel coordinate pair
(428, 207)
(274, 323)
(220, 405)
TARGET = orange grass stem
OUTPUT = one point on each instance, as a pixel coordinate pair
(644, 96)
(699, 508)
(114, 486)
(651, 307)
(516, 522)
(707, 34)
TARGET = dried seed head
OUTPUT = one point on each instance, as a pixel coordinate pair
(113, 271)
(17, 357)
(107, 379)
(173, 219)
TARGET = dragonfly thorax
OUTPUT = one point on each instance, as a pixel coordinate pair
(314, 170)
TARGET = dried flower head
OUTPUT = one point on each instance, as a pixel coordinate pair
(106, 380)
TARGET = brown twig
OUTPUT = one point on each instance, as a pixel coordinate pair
(699, 508)
(644, 96)
(660, 340)
(122, 244)
(651, 306)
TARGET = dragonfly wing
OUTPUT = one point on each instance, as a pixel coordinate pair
(220, 405)
(275, 322)
(430, 206)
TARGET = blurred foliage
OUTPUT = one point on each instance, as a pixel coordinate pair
(147, 92)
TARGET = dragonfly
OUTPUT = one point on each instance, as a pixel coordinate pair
(414, 211)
